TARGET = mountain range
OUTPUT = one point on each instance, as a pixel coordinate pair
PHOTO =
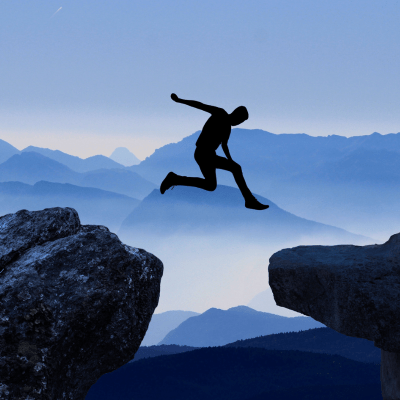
(94, 206)
(268, 158)
(278, 366)
(76, 163)
(189, 210)
(229, 373)
(347, 182)
(32, 167)
(163, 323)
(317, 340)
(218, 327)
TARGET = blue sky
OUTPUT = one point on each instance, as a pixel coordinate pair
(98, 74)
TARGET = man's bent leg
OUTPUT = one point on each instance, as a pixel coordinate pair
(236, 169)
(173, 179)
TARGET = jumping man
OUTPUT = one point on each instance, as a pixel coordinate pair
(216, 131)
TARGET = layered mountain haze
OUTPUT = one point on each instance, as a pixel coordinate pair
(317, 340)
(32, 167)
(211, 239)
(192, 211)
(95, 206)
(219, 327)
(348, 182)
(120, 181)
(76, 163)
(161, 324)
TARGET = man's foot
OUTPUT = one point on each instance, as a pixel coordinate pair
(168, 182)
(254, 204)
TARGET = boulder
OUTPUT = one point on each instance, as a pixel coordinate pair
(75, 303)
(352, 289)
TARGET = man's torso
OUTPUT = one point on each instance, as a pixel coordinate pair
(216, 130)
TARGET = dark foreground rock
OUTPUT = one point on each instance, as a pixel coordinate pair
(75, 303)
(352, 289)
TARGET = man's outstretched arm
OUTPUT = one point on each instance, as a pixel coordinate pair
(195, 104)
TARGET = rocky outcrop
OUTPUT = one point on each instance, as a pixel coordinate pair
(75, 303)
(352, 289)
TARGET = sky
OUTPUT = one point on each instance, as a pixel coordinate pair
(87, 76)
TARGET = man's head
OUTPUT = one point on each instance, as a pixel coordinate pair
(238, 115)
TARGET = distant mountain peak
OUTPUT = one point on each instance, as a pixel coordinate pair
(76, 163)
(125, 157)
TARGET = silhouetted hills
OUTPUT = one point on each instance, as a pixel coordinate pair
(160, 350)
(269, 156)
(347, 182)
(32, 167)
(123, 156)
(188, 210)
(76, 163)
(231, 374)
(177, 157)
(362, 166)
(319, 340)
(218, 327)
(329, 392)
(163, 323)
(95, 206)
(118, 181)
(7, 151)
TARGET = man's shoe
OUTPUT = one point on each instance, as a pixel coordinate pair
(254, 204)
(167, 182)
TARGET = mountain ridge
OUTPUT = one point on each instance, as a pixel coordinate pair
(217, 327)
(95, 206)
(32, 167)
(75, 163)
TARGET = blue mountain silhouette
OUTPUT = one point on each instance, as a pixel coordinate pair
(217, 327)
(188, 210)
(76, 163)
(32, 167)
(94, 206)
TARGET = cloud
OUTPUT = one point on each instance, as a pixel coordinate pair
(56, 12)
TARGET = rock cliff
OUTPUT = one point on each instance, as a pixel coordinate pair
(352, 289)
(75, 303)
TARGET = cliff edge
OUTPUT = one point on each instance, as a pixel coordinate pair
(75, 303)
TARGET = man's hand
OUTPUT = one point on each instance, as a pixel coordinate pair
(174, 97)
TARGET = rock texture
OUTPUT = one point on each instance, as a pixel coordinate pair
(352, 289)
(75, 303)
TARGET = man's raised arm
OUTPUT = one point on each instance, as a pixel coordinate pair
(195, 104)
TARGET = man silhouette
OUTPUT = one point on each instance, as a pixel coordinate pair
(215, 132)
